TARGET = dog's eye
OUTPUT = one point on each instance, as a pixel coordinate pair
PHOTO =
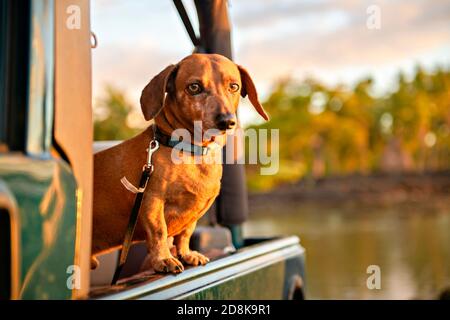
(234, 87)
(194, 88)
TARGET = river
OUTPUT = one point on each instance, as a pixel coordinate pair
(409, 241)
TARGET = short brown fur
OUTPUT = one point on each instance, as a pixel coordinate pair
(177, 195)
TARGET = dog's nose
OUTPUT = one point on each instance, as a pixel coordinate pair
(225, 121)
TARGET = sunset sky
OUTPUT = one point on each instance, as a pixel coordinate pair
(327, 40)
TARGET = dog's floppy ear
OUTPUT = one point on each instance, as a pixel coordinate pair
(153, 95)
(248, 88)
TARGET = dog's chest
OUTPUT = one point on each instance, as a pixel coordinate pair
(199, 181)
(189, 194)
(187, 178)
(187, 189)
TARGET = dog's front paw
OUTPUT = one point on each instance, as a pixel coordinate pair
(168, 265)
(194, 258)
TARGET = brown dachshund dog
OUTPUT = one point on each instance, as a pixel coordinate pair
(201, 87)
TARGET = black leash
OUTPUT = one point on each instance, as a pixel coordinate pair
(147, 170)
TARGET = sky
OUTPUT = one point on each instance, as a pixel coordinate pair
(323, 39)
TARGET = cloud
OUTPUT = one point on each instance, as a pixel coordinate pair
(129, 69)
(137, 39)
(408, 29)
(273, 39)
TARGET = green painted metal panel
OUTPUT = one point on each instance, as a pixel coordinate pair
(263, 284)
(44, 188)
(45, 191)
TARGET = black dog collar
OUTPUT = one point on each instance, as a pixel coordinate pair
(168, 141)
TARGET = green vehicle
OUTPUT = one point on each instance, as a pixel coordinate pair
(46, 169)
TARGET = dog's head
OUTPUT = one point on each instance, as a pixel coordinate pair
(201, 87)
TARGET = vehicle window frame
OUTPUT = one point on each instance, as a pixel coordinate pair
(41, 80)
(27, 76)
(14, 70)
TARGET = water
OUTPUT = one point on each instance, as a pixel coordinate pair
(410, 242)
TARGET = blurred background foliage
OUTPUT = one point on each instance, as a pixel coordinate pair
(111, 116)
(334, 131)
(339, 131)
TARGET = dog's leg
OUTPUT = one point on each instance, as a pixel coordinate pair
(159, 257)
(186, 255)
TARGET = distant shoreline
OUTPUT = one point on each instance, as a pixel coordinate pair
(382, 188)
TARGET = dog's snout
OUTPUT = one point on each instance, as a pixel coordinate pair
(225, 121)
